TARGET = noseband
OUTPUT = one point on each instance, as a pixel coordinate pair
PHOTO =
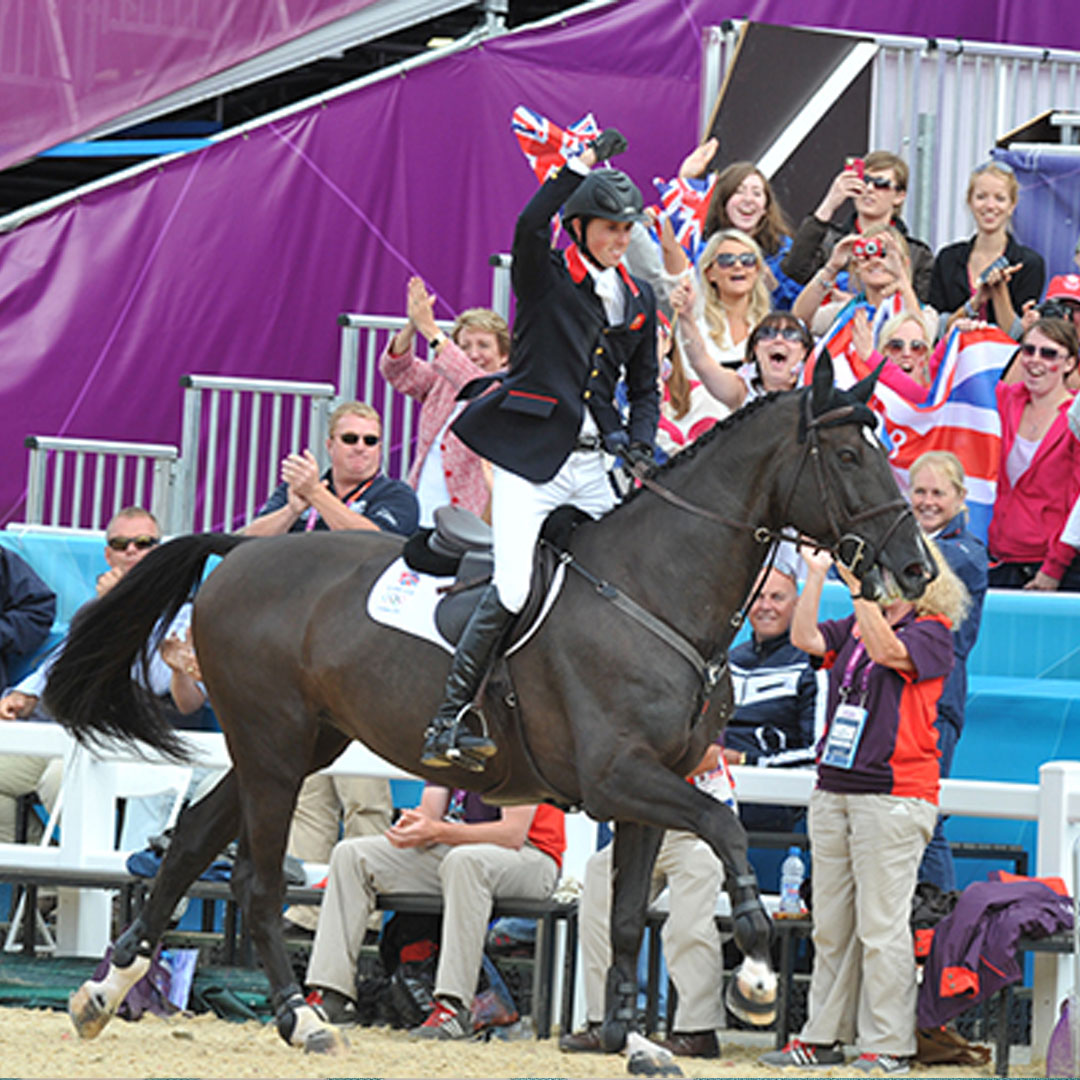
(849, 549)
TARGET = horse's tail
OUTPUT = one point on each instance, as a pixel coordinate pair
(95, 688)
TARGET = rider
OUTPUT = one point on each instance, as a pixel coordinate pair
(582, 322)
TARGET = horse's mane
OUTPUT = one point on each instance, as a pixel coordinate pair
(679, 460)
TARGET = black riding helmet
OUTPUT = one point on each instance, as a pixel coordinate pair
(604, 193)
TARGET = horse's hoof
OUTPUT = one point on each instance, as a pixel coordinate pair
(642, 1064)
(327, 1040)
(613, 1036)
(88, 1013)
(645, 1058)
(751, 1006)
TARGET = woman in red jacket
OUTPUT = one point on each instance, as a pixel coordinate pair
(1039, 474)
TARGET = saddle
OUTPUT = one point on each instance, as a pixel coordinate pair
(460, 546)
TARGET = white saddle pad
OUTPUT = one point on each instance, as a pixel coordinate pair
(405, 600)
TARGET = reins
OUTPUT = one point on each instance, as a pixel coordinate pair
(711, 671)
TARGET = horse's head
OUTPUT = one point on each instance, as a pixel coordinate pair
(846, 495)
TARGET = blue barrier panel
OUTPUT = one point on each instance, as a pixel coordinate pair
(69, 564)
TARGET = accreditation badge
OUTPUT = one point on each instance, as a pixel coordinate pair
(844, 735)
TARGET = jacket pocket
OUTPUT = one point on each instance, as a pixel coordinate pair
(530, 404)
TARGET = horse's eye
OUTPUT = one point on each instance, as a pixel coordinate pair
(847, 456)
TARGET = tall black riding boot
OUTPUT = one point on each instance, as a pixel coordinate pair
(444, 742)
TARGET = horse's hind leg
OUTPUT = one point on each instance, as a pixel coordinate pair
(258, 884)
(632, 866)
(202, 831)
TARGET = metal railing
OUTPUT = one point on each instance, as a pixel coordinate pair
(940, 105)
(247, 425)
(63, 471)
(363, 341)
(944, 105)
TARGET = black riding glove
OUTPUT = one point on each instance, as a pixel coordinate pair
(607, 144)
(639, 458)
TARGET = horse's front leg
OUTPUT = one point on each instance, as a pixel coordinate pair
(632, 866)
(642, 789)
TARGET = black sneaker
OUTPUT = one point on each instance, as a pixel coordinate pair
(800, 1055)
(335, 1007)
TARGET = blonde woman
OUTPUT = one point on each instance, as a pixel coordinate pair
(735, 288)
(879, 266)
(872, 812)
(937, 493)
(991, 275)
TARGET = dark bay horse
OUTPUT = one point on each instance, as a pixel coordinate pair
(611, 712)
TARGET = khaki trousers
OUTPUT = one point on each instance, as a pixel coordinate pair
(361, 804)
(691, 940)
(866, 851)
(470, 878)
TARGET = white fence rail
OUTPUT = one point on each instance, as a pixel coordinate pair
(249, 425)
(81, 483)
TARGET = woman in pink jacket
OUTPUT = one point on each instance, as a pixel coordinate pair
(445, 471)
(1039, 473)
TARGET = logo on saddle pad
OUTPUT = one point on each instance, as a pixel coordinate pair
(405, 600)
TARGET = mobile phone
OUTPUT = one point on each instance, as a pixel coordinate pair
(998, 264)
(855, 165)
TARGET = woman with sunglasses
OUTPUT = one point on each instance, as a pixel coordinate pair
(735, 285)
(775, 352)
(1039, 476)
(743, 199)
(879, 268)
(904, 342)
(445, 471)
(991, 275)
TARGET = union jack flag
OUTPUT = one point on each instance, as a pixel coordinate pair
(684, 203)
(957, 412)
(547, 146)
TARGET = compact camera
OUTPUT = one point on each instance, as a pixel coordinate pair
(867, 249)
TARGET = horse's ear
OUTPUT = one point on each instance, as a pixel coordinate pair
(865, 387)
(821, 386)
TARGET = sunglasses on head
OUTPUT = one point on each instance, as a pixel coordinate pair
(727, 259)
(879, 182)
(896, 347)
(1045, 352)
(350, 438)
(142, 543)
(788, 333)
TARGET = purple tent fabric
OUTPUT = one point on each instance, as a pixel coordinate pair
(65, 68)
(237, 259)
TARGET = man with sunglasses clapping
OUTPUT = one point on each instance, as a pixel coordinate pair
(351, 494)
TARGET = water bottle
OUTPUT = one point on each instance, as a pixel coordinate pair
(792, 873)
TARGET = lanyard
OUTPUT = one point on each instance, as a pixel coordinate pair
(849, 674)
(348, 499)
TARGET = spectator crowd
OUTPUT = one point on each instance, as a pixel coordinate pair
(627, 348)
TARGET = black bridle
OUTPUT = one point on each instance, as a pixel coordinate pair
(711, 670)
(849, 549)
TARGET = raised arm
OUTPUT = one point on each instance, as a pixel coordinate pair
(721, 382)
